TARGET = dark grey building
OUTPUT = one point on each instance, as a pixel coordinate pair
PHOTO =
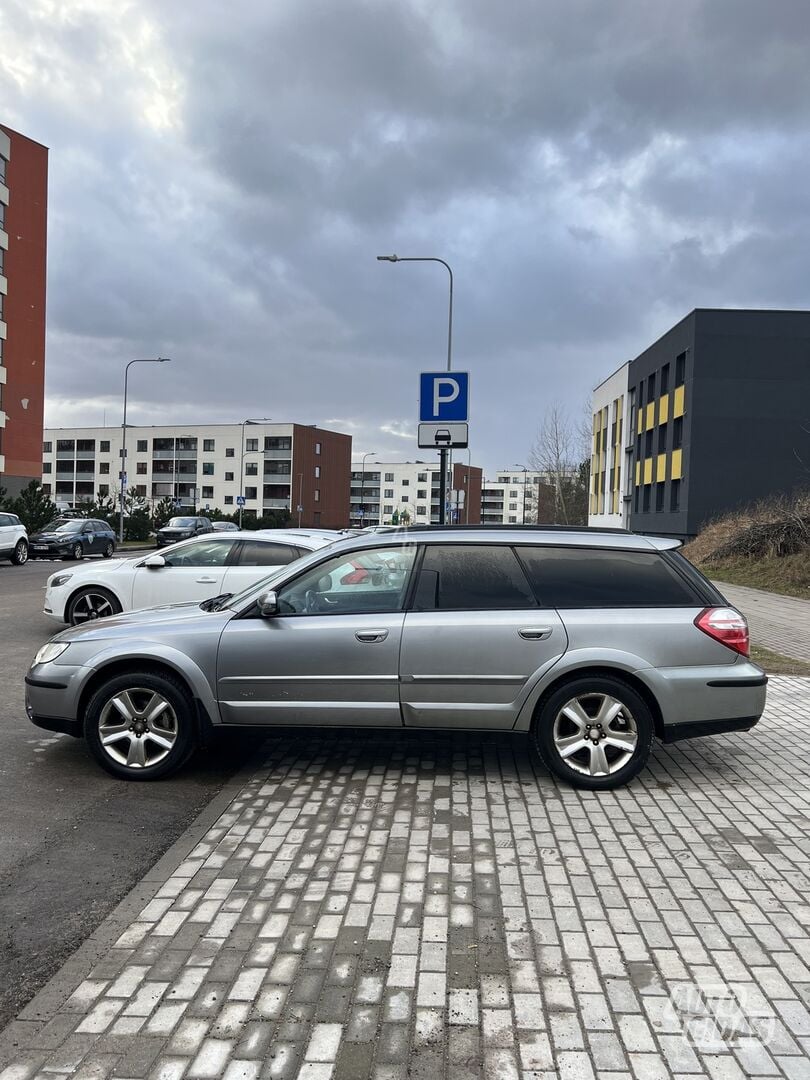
(717, 414)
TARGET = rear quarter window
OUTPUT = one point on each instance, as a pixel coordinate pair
(599, 578)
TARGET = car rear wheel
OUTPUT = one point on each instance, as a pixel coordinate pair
(19, 555)
(109, 548)
(140, 726)
(594, 733)
(91, 603)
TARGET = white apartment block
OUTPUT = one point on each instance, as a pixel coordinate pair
(383, 488)
(272, 466)
(609, 503)
(512, 497)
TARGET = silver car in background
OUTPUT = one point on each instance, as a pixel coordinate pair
(590, 641)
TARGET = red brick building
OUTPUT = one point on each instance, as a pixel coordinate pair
(23, 248)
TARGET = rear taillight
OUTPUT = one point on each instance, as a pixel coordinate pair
(725, 625)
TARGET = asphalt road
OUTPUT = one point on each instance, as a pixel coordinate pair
(73, 840)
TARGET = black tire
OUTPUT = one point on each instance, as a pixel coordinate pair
(634, 723)
(19, 556)
(109, 548)
(76, 552)
(90, 604)
(179, 730)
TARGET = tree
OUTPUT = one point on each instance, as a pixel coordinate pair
(558, 453)
(33, 507)
(162, 511)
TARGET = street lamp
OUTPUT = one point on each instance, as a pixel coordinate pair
(443, 450)
(252, 420)
(369, 453)
(123, 473)
(523, 508)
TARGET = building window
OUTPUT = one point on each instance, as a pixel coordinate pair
(207, 492)
(648, 443)
(665, 379)
(513, 506)
(47, 448)
(251, 446)
(208, 468)
(104, 468)
(659, 497)
(680, 369)
(422, 478)
(229, 476)
(421, 493)
(317, 472)
(250, 492)
(512, 519)
(208, 446)
(140, 468)
(677, 433)
(229, 451)
(675, 496)
(46, 489)
(63, 446)
(317, 494)
(229, 500)
(388, 509)
(404, 498)
(252, 468)
(317, 448)
(388, 493)
(389, 479)
(139, 490)
(646, 500)
(142, 446)
(46, 467)
(104, 489)
(104, 446)
(406, 483)
(662, 439)
(276, 442)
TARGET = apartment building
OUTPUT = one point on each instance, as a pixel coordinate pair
(517, 498)
(710, 417)
(382, 490)
(23, 248)
(304, 469)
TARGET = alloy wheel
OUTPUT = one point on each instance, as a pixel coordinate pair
(91, 605)
(78, 551)
(21, 553)
(595, 734)
(138, 728)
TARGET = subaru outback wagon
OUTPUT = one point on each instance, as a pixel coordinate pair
(592, 642)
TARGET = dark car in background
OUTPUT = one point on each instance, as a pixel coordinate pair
(182, 528)
(73, 538)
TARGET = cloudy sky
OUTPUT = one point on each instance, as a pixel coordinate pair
(223, 175)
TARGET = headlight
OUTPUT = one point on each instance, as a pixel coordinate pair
(59, 579)
(50, 651)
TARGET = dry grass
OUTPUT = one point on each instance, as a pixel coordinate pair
(776, 664)
(788, 574)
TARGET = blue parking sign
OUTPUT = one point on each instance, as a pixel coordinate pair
(444, 396)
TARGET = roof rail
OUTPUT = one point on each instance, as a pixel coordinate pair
(517, 528)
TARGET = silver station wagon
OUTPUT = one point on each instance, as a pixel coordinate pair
(590, 641)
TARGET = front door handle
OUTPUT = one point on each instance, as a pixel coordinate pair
(535, 633)
(206, 581)
(369, 636)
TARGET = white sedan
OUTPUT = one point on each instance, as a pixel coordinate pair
(192, 570)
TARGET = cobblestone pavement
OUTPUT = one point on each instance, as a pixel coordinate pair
(424, 905)
(781, 623)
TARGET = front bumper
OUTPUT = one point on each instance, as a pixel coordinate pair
(52, 694)
(44, 551)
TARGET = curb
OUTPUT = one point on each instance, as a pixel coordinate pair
(16, 1038)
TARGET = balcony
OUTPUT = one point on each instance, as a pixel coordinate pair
(177, 455)
(273, 455)
(276, 504)
(277, 478)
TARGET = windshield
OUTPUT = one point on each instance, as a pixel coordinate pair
(181, 523)
(69, 526)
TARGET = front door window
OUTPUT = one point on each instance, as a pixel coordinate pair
(356, 584)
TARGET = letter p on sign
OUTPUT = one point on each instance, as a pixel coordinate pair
(443, 395)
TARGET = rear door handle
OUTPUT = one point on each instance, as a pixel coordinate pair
(369, 636)
(535, 633)
(206, 580)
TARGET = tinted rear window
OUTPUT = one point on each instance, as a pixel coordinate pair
(258, 553)
(471, 578)
(594, 577)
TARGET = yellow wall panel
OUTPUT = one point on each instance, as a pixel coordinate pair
(650, 422)
(638, 473)
(677, 466)
(661, 467)
(648, 464)
(663, 409)
(677, 401)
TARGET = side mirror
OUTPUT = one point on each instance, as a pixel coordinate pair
(268, 604)
(154, 562)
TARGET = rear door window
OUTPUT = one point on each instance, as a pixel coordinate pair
(601, 578)
(471, 577)
(259, 553)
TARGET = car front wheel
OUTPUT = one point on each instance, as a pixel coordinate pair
(19, 555)
(89, 604)
(594, 733)
(140, 726)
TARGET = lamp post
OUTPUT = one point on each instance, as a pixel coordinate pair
(467, 490)
(252, 420)
(123, 473)
(443, 450)
(523, 508)
(369, 453)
